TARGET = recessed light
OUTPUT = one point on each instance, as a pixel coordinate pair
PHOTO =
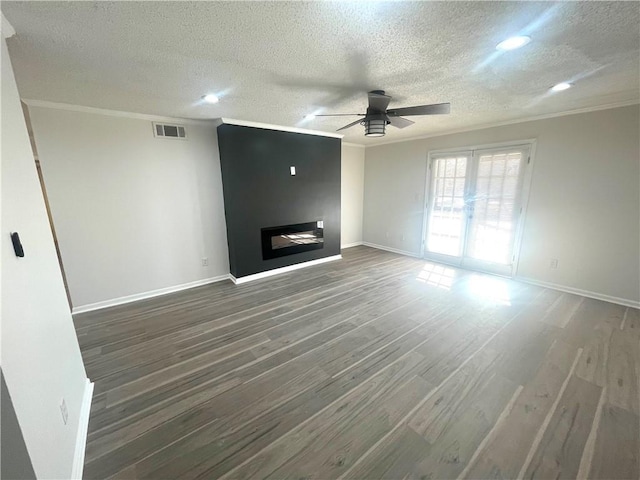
(210, 98)
(512, 43)
(561, 86)
(311, 116)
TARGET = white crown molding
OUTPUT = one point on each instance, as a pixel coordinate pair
(510, 122)
(7, 28)
(268, 126)
(115, 113)
(219, 121)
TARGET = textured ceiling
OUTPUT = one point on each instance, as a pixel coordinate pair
(274, 62)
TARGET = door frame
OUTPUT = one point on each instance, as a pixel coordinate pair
(531, 143)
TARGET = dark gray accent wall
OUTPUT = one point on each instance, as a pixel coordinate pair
(14, 459)
(260, 192)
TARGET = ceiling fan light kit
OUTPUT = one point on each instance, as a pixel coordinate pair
(374, 127)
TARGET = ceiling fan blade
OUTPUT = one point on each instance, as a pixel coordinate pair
(378, 101)
(399, 122)
(349, 125)
(435, 109)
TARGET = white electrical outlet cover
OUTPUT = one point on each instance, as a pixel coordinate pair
(64, 411)
(292, 170)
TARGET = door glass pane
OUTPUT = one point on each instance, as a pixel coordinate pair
(446, 219)
(493, 220)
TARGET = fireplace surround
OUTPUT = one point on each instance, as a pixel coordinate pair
(263, 196)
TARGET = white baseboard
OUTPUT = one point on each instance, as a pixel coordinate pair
(349, 245)
(578, 291)
(390, 249)
(83, 430)
(142, 296)
(277, 271)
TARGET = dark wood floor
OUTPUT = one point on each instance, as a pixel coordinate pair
(375, 366)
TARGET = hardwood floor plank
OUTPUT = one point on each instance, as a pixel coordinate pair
(632, 322)
(452, 444)
(589, 315)
(458, 441)
(560, 451)
(341, 444)
(396, 459)
(593, 363)
(622, 371)
(326, 445)
(240, 445)
(203, 415)
(454, 397)
(524, 345)
(225, 335)
(375, 366)
(451, 348)
(563, 310)
(505, 453)
(617, 445)
(195, 379)
(102, 442)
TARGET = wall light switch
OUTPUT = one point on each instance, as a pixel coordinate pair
(293, 170)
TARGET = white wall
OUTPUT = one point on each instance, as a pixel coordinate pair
(133, 213)
(584, 206)
(41, 360)
(352, 188)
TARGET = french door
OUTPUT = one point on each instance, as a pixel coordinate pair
(474, 209)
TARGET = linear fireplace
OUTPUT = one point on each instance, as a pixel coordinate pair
(290, 239)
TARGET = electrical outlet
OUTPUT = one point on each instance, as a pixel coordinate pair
(64, 411)
(205, 262)
(553, 263)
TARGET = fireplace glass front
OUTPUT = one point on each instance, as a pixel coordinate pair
(292, 239)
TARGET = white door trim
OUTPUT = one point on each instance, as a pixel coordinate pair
(531, 144)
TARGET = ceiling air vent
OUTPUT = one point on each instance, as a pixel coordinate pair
(169, 131)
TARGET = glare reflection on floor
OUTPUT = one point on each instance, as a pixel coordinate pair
(437, 275)
(485, 288)
(490, 289)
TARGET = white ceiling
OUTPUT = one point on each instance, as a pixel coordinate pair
(275, 62)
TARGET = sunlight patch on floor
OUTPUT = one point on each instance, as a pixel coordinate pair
(437, 276)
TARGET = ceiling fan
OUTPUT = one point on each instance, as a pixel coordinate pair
(378, 117)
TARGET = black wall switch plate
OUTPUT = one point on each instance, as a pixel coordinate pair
(17, 246)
